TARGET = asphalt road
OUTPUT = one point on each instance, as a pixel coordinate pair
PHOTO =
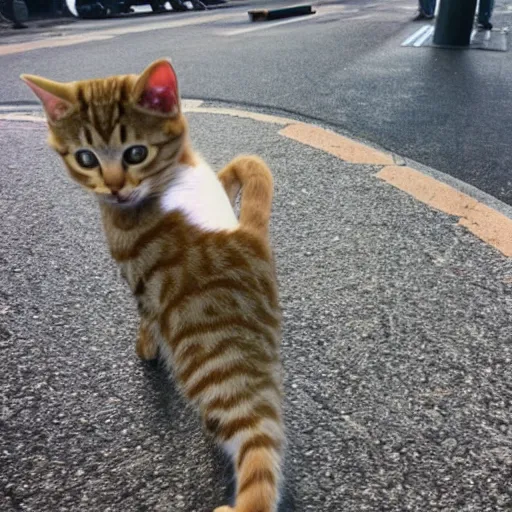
(397, 321)
(396, 345)
(450, 110)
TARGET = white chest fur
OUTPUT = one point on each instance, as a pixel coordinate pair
(197, 193)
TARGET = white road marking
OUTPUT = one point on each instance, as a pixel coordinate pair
(189, 104)
(266, 25)
(414, 36)
(424, 37)
(362, 17)
(34, 114)
(17, 108)
(350, 11)
(22, 117)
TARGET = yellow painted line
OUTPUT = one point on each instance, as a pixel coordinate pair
(264, 118)
(100, 35)
(337, 145)
(50, 43)
(198, 19)
(487, 224)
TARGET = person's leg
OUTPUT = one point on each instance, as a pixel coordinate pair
(484, 13)
(430, 7)
(426, 9)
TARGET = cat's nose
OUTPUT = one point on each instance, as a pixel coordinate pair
(114, 178)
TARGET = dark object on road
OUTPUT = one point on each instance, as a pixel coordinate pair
(455, 23)
(288, 12)
(15, 11)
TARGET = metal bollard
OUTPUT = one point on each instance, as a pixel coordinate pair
(455, 22)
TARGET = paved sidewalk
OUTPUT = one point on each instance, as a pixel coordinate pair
(397, 338)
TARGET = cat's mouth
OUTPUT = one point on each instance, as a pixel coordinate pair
(120, 199)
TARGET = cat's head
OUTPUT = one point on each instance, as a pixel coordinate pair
(120, 136)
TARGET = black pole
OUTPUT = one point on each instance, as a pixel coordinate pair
(455, 22)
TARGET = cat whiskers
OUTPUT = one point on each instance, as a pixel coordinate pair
(158, 183)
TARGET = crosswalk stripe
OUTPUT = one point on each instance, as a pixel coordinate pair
(414, 36)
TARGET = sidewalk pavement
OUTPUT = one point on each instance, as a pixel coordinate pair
(397, 337)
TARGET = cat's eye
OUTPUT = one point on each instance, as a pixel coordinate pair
(135, 155)
(86, 159)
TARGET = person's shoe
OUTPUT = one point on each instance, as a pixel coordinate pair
(486, 25)
(421, 16)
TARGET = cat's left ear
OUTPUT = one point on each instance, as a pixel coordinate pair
(54, 96)
(156, 89)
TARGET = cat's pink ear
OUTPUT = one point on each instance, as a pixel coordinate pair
(156, 89)
(53, 96)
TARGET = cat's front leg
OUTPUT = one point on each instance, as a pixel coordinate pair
(147, 346)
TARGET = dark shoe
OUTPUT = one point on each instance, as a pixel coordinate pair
(486, 25)
(421, 16)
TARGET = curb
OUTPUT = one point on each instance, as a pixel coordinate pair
(484, 221)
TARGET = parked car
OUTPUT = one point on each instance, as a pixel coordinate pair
(104, 8)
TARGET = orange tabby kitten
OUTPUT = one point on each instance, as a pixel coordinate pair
(203, 279)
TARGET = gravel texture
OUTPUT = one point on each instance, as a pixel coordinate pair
(397, 348)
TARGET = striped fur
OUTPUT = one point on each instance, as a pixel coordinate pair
(204, 281)
(252, 174)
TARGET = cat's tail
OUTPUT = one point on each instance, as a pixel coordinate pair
(257, 450)
(251, 175)
(259, 473)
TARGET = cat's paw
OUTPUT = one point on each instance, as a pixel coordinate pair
(225, 508)
(146, 347)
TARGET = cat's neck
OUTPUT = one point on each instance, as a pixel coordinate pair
(128, 218)
(188, 157)
(199, 197)
(195, 194)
